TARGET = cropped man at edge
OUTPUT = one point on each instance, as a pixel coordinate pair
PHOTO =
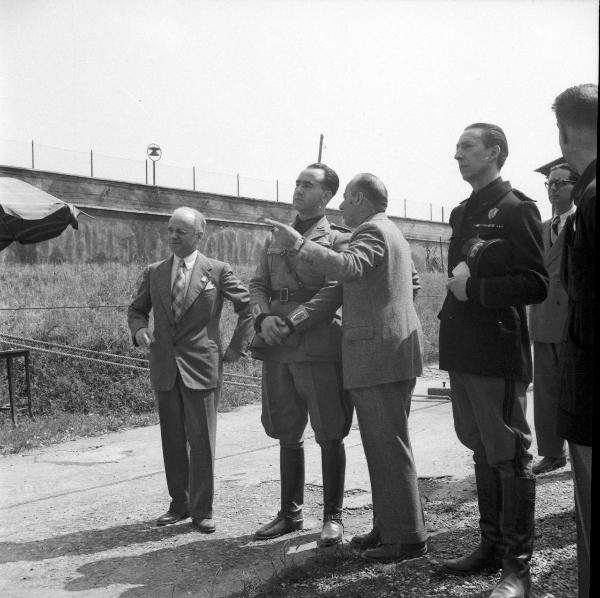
(576, 112)
(302, 374)
(496, 268)
(547, 322)
(382, 355)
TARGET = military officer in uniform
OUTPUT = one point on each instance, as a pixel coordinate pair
(302, 374)
(485, 346)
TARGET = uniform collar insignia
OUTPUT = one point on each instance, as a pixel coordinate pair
(492, 213)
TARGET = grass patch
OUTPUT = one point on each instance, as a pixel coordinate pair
(74, 397)
(428, 304)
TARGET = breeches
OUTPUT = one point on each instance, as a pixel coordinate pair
(293, 391)
(188, 427)
(489, 418)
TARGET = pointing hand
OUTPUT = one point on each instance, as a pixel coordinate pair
(285, 234)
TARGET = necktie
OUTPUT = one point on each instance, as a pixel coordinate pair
(178, 291)
(554, 229)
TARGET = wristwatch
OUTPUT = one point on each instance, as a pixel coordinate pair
(298, 244)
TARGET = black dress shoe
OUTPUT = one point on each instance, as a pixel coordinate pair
(205, 526)
(548, 464)
(278, 527)
(171, 517)
(332, 533)
(364, 541)
(394, 553)
(483, 558)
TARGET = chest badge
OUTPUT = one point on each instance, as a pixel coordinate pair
(492, 213)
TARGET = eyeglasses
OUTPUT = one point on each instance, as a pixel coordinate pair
(558, 184)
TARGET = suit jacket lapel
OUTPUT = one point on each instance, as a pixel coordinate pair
(199, 278)
(163, 282)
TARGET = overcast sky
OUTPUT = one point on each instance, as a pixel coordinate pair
(248, 86)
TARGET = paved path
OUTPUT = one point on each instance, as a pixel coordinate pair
(77, 519)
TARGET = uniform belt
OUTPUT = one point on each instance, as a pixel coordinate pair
(286, 294)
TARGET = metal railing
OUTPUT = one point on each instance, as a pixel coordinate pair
(23, 154)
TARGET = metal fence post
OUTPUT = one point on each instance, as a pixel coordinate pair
(405, 207)
(92, 163)
(146, 162)
(238, 183)
(194, 178)
(443, 214)
(277, 190)
(431, 212)
(32, 157)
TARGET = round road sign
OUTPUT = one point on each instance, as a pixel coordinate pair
(154, 152)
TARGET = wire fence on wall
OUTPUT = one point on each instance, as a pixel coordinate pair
(37, 156)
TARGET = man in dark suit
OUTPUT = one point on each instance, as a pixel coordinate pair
(576, 111)
(302, 374)
(485, 346)
(547, 324)
(185, 293)
(381, 356)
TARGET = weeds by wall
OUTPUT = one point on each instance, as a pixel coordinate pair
(63, 384)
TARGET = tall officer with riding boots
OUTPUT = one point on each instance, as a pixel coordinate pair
(302, 373)
(496, 268)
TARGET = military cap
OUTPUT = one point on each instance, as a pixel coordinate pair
(486, 258)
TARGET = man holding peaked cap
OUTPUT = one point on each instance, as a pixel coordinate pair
(496, 268)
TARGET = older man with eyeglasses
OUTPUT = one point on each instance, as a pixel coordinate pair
(547, 324)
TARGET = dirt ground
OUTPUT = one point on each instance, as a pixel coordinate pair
(78, 519)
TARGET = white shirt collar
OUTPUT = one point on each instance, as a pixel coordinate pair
(563, 217)
(189, 260)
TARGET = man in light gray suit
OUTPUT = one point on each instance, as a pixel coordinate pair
(547, 324)
(185, 293)
(381, 356)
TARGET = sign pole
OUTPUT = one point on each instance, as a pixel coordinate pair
(154, 153)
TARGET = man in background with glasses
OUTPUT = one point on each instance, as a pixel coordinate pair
(547, 324)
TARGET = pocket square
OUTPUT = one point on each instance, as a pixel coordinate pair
(209, 286)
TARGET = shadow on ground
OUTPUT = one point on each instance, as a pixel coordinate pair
(207, 564)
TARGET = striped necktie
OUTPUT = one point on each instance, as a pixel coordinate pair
(554, 229)
(178, 291)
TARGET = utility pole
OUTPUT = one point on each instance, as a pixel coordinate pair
(320, 148)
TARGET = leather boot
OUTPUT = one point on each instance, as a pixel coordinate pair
(333, 465)
(518, 530)
(488, 555)
(289, 518)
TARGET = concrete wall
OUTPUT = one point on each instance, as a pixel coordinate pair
(129, 223)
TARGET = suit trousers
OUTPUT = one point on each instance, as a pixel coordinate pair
(382, 412)
(293, 391)
(546, 390)
(581, 467)
(489, 419)
(188, 428)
